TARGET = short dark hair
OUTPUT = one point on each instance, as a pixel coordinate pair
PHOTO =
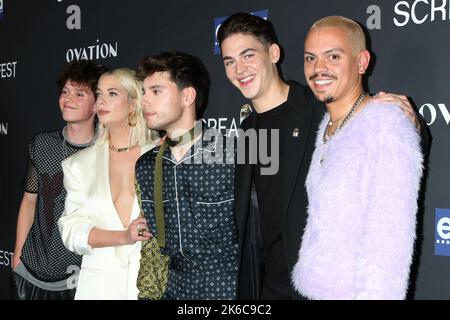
(82, 72)
(185, 71)
(246, 23)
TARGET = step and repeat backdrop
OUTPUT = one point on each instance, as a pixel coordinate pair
(410, 40)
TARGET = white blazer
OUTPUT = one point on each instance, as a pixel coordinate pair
(110, 272)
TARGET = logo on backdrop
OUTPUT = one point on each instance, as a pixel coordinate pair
(374, 20)
(421, 11)
(435, 113)
(6, 258)
(8, 69)
(3, 128)
(93, 52)
(74, 20)
(442, 232)
(226, 125)
(218, 22)
(411, 12)
(1, 9)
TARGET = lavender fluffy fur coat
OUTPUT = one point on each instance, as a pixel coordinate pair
(362, 189)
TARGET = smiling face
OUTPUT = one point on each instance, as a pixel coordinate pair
(250, 65)
(76, 103)
(332, 69)
(113, 104)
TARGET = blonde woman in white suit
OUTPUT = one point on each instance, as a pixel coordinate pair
(101, 217)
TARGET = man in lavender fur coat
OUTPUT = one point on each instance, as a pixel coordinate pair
(363, 180)
(271, 209)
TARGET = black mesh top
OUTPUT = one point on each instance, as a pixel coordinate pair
(43, 253)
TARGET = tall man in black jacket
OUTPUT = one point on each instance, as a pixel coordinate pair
(271, 209)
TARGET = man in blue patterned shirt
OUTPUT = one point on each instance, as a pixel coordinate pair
(199, 232)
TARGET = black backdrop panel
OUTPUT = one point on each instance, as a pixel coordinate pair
(410, 40)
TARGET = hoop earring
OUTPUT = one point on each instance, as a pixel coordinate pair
(132, 119)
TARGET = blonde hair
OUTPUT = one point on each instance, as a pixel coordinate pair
(353, 30)
(139, 134)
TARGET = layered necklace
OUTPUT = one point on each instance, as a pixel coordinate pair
(326, 133)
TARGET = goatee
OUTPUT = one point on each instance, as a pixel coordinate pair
(328, 99)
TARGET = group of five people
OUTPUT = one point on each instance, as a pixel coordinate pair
(335, 221)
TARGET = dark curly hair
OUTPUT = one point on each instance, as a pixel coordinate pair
(82, 72)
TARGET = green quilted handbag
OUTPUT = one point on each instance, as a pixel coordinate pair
(154, 266)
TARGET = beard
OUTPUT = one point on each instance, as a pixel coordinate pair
(328, 99)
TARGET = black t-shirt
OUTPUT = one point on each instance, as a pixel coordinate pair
(275, 275)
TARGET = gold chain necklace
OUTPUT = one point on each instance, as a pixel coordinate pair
(326, 135)
(124, 149)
